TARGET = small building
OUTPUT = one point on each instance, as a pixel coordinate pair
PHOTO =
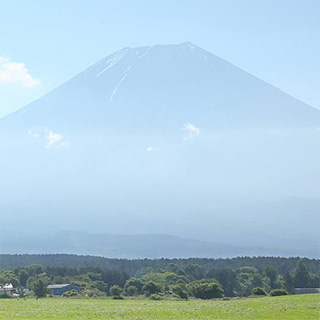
(59, 289)
(306, 290)
(7, 290)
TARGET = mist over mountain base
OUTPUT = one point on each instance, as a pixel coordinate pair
(155, 141)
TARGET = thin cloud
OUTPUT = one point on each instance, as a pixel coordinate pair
(192, 130)
(16, 72)
(152, 149)
(51, 139)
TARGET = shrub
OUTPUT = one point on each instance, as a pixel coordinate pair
(115, 291)
(151, 287)
(179, 291)
(40, 288)
(259, 291)
(206, 289)
(133, 282)
(93, 293)
(155, 297)
(71, 293)
(279, 292)
(131, 290)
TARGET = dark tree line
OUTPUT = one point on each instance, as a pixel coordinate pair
(174, 280)
(281, 265)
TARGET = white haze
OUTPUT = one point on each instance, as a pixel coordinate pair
(167, 140)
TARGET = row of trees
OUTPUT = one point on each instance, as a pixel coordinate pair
(92, 281)
(132, 266)
(174, 280)
(186, 280)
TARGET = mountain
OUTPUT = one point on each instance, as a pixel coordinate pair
(135, 246)
(168, 139)
(160, 88)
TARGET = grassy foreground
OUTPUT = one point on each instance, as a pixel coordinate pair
(284, 307)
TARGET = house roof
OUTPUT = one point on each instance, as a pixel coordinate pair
(58, 286)
(7, 286)
(307, 289)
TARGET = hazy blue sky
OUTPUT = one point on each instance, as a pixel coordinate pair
(276, 40)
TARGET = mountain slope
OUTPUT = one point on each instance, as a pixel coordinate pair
(164, 140)
(162, 87)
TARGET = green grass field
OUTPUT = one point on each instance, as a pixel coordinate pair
(284, 307)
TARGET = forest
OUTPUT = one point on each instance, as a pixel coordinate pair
(160, 279)
(131, 266)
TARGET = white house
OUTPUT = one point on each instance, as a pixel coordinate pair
(7, 289)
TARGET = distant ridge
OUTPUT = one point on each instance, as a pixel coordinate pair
(134, 246)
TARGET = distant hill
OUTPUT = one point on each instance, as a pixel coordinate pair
(133, 246)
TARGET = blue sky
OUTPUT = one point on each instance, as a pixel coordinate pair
(44, 43)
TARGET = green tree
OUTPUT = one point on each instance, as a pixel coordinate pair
(134, 282)
(21, 292)
(30, 282)
(280, 282)
(180, 291)
(288, 281)
(102, 286)
(206, 289)
(150, 287)
(271, 273)
(194, 271)
(173, 267)
(40, 288)
(164, 278)
(8, 276)
(257, 280)
(301, 276)
(34, 269)
(226, 277)
(247, 281)
(131, 290)
(248, 270)
(116, 291)
(94, 276)
(259, 291)
(314, 281)
(23, 277)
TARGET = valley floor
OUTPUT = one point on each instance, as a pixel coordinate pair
(284, 307)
